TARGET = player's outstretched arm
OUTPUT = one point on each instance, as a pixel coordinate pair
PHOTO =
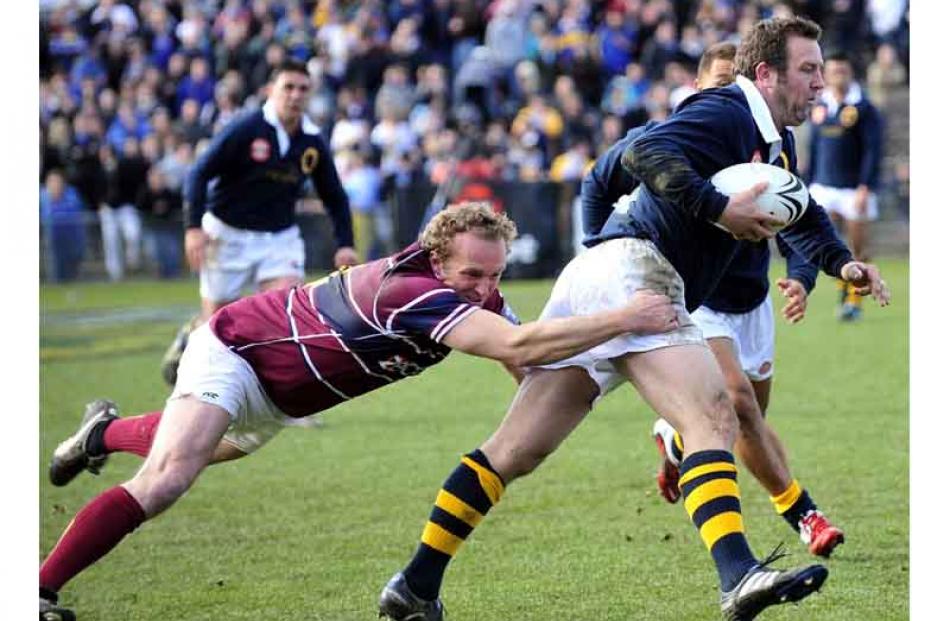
(488, 335)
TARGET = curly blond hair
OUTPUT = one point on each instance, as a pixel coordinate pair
(475, 216)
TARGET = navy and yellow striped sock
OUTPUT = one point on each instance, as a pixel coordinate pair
(677, 448)
(851, 296)
(842, 288)
(467, 495)
(711, 498)
(793, 504)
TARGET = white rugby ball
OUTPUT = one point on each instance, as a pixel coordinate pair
(786, 198)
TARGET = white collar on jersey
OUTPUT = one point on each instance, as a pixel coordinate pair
(761, 116)
(851, 98)
(283, 140)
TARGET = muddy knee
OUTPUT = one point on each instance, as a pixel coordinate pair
(721, 416)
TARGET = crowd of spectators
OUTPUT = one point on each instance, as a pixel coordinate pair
(403, 90)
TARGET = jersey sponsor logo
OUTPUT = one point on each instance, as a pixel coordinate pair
(260, 150)
(210, 395)
(848, 116)
(309, 159)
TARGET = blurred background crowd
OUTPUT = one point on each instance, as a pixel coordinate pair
(405, 91)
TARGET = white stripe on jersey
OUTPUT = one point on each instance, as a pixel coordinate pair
(461, 312)
(303, 348)
(391, 265)
(356, 307)
(286, 339)
(410, 304)
(378, 325)
(349, 351)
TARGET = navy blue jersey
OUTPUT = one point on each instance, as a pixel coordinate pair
(677, 204)
(606, 182)
(746, 282)
(845, 149)
(252, 174)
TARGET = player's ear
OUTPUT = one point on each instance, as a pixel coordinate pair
(764, 72)
(437, 266)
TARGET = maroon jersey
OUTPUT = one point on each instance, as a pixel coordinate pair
(318, 345)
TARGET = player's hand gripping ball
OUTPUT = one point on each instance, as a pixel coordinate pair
(786, 197)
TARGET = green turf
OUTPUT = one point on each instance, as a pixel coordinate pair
(313, 525)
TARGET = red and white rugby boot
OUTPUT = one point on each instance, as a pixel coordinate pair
(668, 474)
(820, 535)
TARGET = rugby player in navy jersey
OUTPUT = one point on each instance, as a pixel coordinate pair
(845, 159)
(737, 322)
(273, 358)
(666, 240)
(240, 198)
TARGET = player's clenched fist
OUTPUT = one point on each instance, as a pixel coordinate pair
(651, 312)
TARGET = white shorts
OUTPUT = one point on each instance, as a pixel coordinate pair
(214, 374)
(841, 202)
(606, 277)
(752, 335)
(235, 258)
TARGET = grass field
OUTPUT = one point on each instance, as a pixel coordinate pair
(313, 525)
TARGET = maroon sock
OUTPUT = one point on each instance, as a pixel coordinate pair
(131, 435)
(95, 530)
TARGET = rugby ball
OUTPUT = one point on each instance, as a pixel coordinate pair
(786, 198)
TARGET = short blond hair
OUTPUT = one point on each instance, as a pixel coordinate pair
(476, 216)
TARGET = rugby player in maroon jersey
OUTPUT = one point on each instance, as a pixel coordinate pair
(272, 359)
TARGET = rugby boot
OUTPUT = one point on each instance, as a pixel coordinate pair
(820, 535)
(849, 312)
(49, 611)
(173, 354)
(399, 603)
(762, 587)
(71, 456)
(668, 474)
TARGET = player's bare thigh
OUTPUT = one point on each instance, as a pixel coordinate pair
(225, 451)
(187, 436)
(549, 404)
(763, 392)
(738, 383)
(684, 385)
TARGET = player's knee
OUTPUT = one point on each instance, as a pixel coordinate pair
(527, 461)
(158, 487)
(512, 462)
(746, 406)
(722, 416)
